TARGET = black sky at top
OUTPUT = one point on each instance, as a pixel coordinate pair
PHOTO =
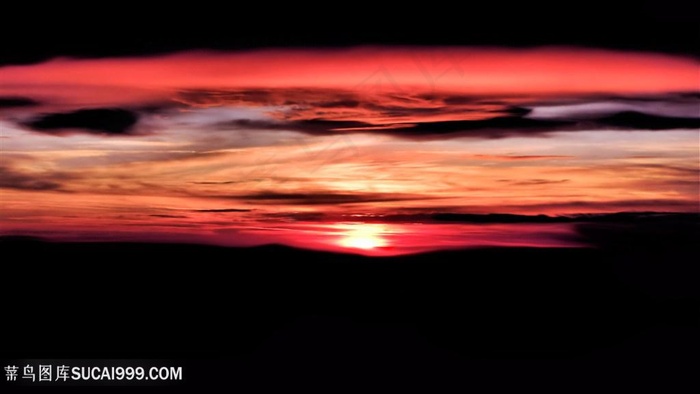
(37, 32)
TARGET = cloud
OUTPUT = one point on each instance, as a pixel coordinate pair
(681, 204)
(18, 180)
(496, 218)
(667, 169)
(216, 182)
(474, 92)
(443, 217)
(442, 116)
(16, 102)
(450, 217)
(521, 157)
(223, 210)
(168, 216)
(494, 128)
(415, 116)
(296, 216)
(323, 198)
(675, 105)
(380, 121)
(102, 121)
(489, 71)
(640, 121)
(534, 182)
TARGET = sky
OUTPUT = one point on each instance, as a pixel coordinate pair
(126, 28)
(364, 149)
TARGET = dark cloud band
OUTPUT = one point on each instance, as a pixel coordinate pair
(103, 121)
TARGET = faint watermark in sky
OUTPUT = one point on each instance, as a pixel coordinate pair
(379, 81)
(436, 64)
(313, 156)
(433, 66)
(339, 148)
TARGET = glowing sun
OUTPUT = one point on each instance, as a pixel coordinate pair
(364, 236)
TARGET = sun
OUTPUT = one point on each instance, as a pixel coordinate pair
(364, 236)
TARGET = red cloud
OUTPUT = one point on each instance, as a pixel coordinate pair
(456, 70)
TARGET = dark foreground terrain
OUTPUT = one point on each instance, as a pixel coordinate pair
(274, 319)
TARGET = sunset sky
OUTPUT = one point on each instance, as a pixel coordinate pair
(363, 149)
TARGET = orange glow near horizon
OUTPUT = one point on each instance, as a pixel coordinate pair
(364, 236)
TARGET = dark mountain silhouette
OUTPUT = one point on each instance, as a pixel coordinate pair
(235, 316)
